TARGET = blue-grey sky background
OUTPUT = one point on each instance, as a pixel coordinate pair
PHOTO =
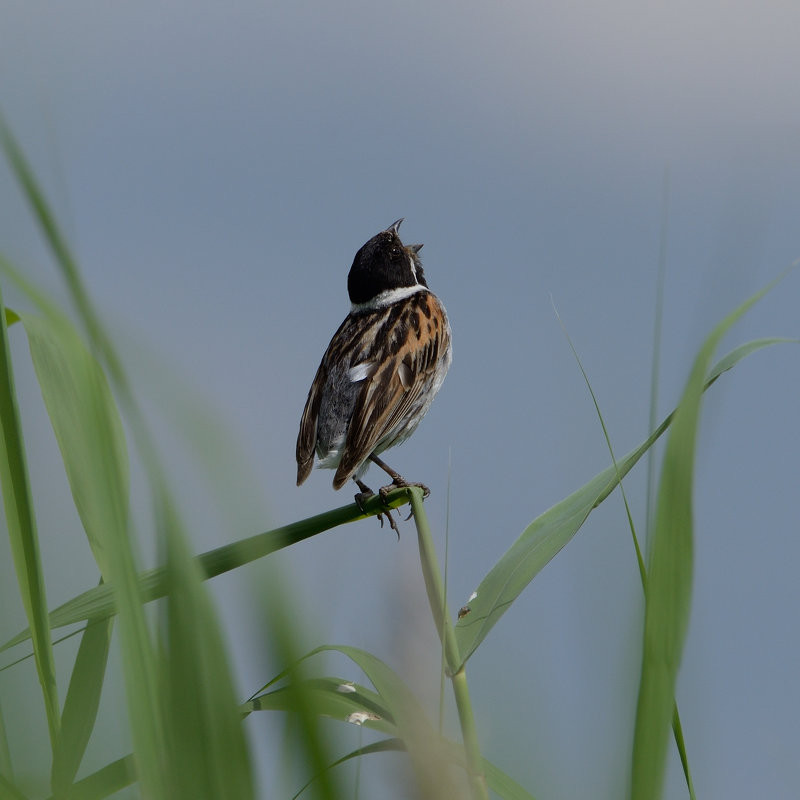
(216, 166)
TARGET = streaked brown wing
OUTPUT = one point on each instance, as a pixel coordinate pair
(307, 437)
(414, 346)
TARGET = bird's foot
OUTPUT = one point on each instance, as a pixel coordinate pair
(399, 482)
(364, 495)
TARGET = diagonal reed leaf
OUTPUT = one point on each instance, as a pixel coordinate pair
(425, 747)
(97, 423)
(81, 703)
(122, 773)
(18, 505)
(208, 754)
(503, 784)
(500, 783)
(68, 376)
(8, 791)
(337, 698)
(427, 750)
(342, 700)
(99, 601)
(106, 781)
(97, 452)
(6, 765)
(329, 700)
(669, 581)
(382, 746)
(548, 533)
(676, 718)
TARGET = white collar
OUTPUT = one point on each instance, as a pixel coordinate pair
(386, 298)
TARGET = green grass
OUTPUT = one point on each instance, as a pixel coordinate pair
(183, 714)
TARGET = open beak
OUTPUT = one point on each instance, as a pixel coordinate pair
(395, 226)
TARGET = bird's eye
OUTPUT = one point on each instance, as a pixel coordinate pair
(395, 250)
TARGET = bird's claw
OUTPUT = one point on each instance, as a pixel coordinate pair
(361, 497)
(402, 483)
(398, 482)
(365, 494)
(392, 522)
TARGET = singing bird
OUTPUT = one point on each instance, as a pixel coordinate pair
(382, 368)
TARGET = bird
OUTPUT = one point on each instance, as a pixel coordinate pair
(381, 370)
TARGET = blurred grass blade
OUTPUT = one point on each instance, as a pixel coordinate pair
(97, 422)
(426, 749)
(548, 533)
(669, 577)
(676, 719)
(336, 698)
(399, 701)
(334, 703)
(383, 746)
(10, 792)
(143, 689)
(106, 781)
(96, 461)
(499, 782)
(81, 703)
(31, 192)
(6, 765)
(58, 244)
(504, 785)
(208, 752)
(99, 600)
(138, 655)
(680, 743)
(69, 376)
(18, 505)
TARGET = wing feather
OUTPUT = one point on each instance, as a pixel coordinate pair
(307, 437)
(406, 370)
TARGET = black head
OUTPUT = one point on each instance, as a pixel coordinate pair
(382, 264)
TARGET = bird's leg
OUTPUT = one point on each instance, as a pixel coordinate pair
(365, 494)
(398, 481)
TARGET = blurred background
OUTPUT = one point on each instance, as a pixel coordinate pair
(216, 167)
